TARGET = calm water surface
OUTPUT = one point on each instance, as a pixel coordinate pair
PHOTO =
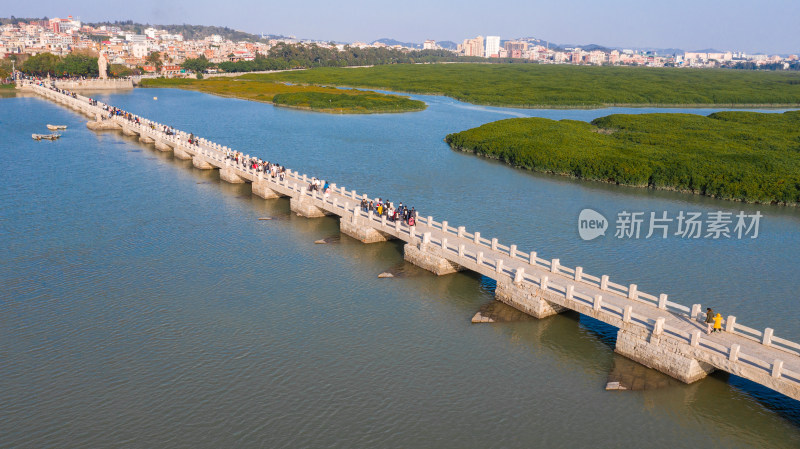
(144, 305)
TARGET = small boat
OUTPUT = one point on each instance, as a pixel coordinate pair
(52, 136)
(56, 127)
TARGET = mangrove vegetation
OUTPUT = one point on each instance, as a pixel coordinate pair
(742, 156)
(314, 98)
(539, 85)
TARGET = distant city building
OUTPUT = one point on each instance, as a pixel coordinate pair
(492, 46)
(429, 45)
(472, 47)
(511, 46)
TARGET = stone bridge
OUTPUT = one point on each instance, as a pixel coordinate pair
(654, 331)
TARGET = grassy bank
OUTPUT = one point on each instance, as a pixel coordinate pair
(743, 156)
(314, 98)
(537, 85)
(7, 86)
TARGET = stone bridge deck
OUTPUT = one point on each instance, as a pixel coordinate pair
(654, 331)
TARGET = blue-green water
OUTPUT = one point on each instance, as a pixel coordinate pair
(144, 305)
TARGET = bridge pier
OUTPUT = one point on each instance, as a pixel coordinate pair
(304, 207)
(527, 298)
(366, 234)
(262, 189)
(103, 125)
(180, 153)
(162, 146)
(228, 174)
(200, 162)
(128, 132)
(662, 354)
(429, 258)
(146, 139)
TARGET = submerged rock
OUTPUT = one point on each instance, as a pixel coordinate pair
(385, 275)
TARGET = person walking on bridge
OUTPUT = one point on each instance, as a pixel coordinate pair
(709, 319)
(718, 323)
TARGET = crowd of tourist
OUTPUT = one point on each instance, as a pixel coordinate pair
(383, 208)
(274, 170)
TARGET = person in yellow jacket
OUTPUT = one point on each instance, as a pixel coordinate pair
(717, 323)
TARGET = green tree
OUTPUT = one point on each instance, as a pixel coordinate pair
(154, 59)
(197, 65)
(120, 71)
(41, 64)
(78, 65)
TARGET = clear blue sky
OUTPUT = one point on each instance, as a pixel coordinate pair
(749, 25)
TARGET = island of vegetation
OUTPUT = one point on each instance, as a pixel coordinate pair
(741, 156)
(314, 98)
(566, 86)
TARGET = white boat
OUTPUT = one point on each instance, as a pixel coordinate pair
(52, 136)
(56, 127)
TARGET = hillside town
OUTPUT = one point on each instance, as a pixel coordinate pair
(121, 47)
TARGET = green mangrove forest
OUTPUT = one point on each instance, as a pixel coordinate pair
(741, 156)
(567, 86)
(313, 98)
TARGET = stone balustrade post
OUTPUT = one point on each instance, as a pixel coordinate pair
(733, 355)
(397, 227)
(532, 259)
(461, 230)
(604, 282)
(430, 221)
(370, 215)
(598, 303)
(444, 227)
(494, 244)
(777, 367)
(730, 323)
(461, 250)
(383, 220)
(512, 251)
(479, 258)
(578, 273)
(696, 314)
(519, 275)
(627, 311)
(570, 293)
(477, 238)
(633, 291)
(659, 326)
(662, 301)
(695, 341)
(766, 339)
(543, 282)
(554, 264)
(498, 265)
(412, 231)
(426, 238)
(444, 243)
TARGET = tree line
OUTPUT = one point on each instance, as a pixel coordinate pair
(290, 56)
(74, 64)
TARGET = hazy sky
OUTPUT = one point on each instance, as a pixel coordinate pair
(749, 25)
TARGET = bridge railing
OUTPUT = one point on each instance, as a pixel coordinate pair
(766, 337)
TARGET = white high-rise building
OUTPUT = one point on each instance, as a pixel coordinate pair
(492, 46)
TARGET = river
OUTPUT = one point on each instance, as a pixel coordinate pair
(144, 305)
